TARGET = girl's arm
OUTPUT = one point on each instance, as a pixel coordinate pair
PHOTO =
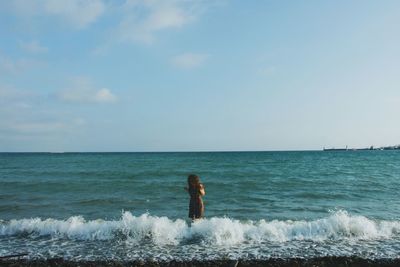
(202, 190)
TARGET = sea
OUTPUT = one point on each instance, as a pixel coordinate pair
(258, 205)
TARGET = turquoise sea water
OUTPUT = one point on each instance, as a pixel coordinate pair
(258, 204)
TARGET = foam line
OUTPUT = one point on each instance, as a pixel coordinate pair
(220, 231)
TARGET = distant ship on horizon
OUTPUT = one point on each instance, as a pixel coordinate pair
(336, 149)
(397, 147)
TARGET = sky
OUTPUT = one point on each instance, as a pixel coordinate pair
(183, 75)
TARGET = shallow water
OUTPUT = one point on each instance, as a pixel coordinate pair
(258, 205)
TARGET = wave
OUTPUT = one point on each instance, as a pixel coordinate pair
(220, 231)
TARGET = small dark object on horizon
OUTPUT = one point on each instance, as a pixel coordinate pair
(397, 147)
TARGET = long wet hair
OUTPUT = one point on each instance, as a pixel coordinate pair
(193, 182)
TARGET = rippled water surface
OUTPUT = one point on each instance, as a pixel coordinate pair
(258, 205)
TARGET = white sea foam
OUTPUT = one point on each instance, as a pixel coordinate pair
(216, 231)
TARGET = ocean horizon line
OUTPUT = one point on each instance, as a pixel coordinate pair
(169, 151)
(156, 151)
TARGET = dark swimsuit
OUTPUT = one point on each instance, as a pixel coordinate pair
(196, 206)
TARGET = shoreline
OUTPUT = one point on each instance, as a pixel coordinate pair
(275, 262)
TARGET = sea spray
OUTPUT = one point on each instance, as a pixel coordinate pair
(160, 230)
(146, 237)
(221, 231)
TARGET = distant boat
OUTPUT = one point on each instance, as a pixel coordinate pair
(391, 147)
(368, 148)
(397, 147)
(336, 149)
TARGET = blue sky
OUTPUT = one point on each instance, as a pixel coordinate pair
(157, 75)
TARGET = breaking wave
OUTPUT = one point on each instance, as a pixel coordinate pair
(218, 231)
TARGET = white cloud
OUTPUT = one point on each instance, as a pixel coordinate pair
(189, 60)
(17, 107)
(267, 71)
(33, 126)
(136, 20)
(104, 95)
(6, 92)
(83, 91)
(144, 18)
(33, 47)
(10, 96)
(9, 65)
(100, 50)
(78, 13)
(37, 127)
(27, 119)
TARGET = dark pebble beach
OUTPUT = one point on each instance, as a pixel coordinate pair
(293, 262)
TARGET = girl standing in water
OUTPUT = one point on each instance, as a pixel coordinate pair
(196, 191)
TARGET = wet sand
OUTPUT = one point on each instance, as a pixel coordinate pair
(293, 262)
